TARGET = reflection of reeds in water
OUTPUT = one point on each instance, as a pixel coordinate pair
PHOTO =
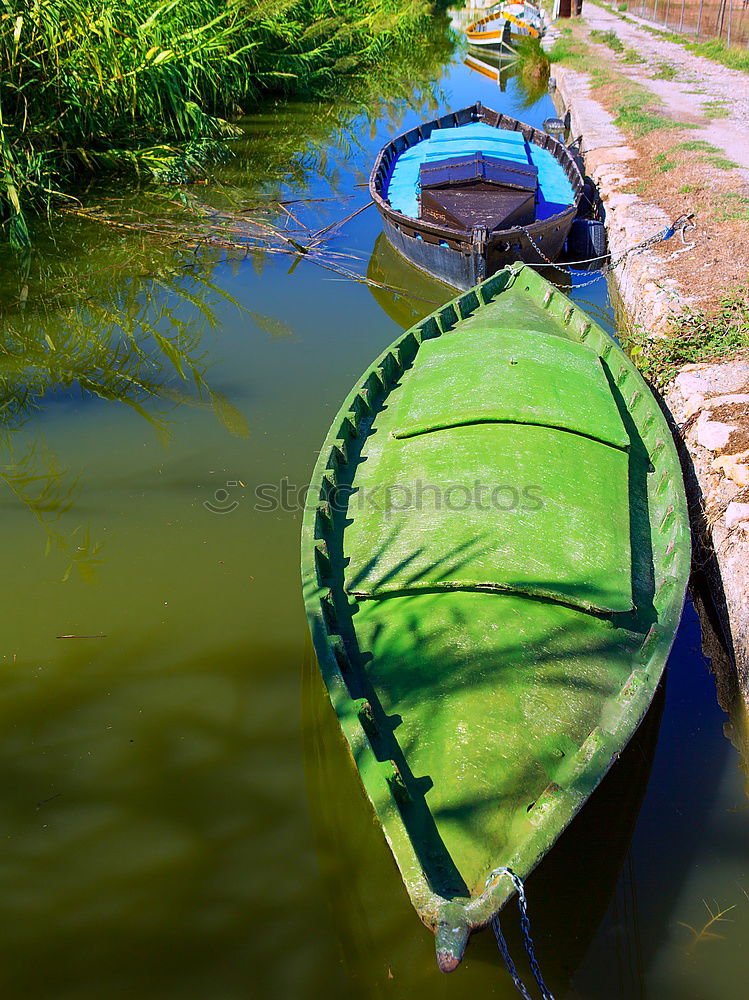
(533, 70)
(46, 491)
(249, 213)
(528, 66)
(195, 226)
(133, 348)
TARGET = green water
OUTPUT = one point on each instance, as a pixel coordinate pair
(178, 816)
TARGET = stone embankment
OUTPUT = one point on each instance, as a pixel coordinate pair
(705, 401)
(708, 403)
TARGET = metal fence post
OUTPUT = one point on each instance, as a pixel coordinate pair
(699, 18)
(681, 19)
(719, 18)
(730, 15)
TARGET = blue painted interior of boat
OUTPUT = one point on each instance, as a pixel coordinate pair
(555, 192)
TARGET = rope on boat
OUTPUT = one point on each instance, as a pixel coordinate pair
(525, 927)
(681, 225)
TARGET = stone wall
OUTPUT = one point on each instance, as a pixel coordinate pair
(708, 405)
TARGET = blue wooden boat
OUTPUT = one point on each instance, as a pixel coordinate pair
(473, 191)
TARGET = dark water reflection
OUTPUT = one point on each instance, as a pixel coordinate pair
(173, 825)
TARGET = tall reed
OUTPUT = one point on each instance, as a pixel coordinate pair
(152, 86)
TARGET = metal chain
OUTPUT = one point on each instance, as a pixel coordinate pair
(505, 953)
(535, 246)
(525, 927)
(681, 225)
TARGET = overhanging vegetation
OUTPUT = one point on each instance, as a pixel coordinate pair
(152, 87)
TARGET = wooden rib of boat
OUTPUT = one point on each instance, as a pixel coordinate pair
(463, 251)
(494, 562)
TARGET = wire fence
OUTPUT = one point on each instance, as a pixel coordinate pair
(705, 19)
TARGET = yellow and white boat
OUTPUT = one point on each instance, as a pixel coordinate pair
(505, 25)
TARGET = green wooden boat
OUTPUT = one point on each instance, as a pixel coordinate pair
(495, 553)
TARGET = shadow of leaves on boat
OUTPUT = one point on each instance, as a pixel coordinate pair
(480, 694)
(487, 706)
(568, 892)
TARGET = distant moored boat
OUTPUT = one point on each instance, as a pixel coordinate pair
(505, 25)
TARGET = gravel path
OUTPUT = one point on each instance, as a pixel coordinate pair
(655, 286)
(703, 93)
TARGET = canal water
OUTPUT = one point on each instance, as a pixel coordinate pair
(178, 816)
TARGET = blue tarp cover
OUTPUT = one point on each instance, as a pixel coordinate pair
(555, 192)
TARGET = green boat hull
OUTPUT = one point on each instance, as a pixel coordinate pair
(489, 658)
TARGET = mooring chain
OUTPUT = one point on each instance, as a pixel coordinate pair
(680, 225)
(525, 927)
(536, 247)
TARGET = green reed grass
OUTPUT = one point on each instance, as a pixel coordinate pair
(533, 68)
(151, 87)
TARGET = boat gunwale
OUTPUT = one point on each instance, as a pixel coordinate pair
(512, 18)
(461, 240)
(560, 802)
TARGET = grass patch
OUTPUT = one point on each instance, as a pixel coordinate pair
(697, 145)
(634, 116)
(721, 162)
(631, 56)
(663, 162)
(636, 111)
(713, 156)
(609, 38)
(697, 338)
(601, 76)
(570, 52)
(670, 36)
(732, 207)
(636, 108)
(687, 189)
(716, 109)
(717, 50)
(735, 57)
(665, 72)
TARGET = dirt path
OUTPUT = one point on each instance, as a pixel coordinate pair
(687, 151)
(702, 93)
(684, 151)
